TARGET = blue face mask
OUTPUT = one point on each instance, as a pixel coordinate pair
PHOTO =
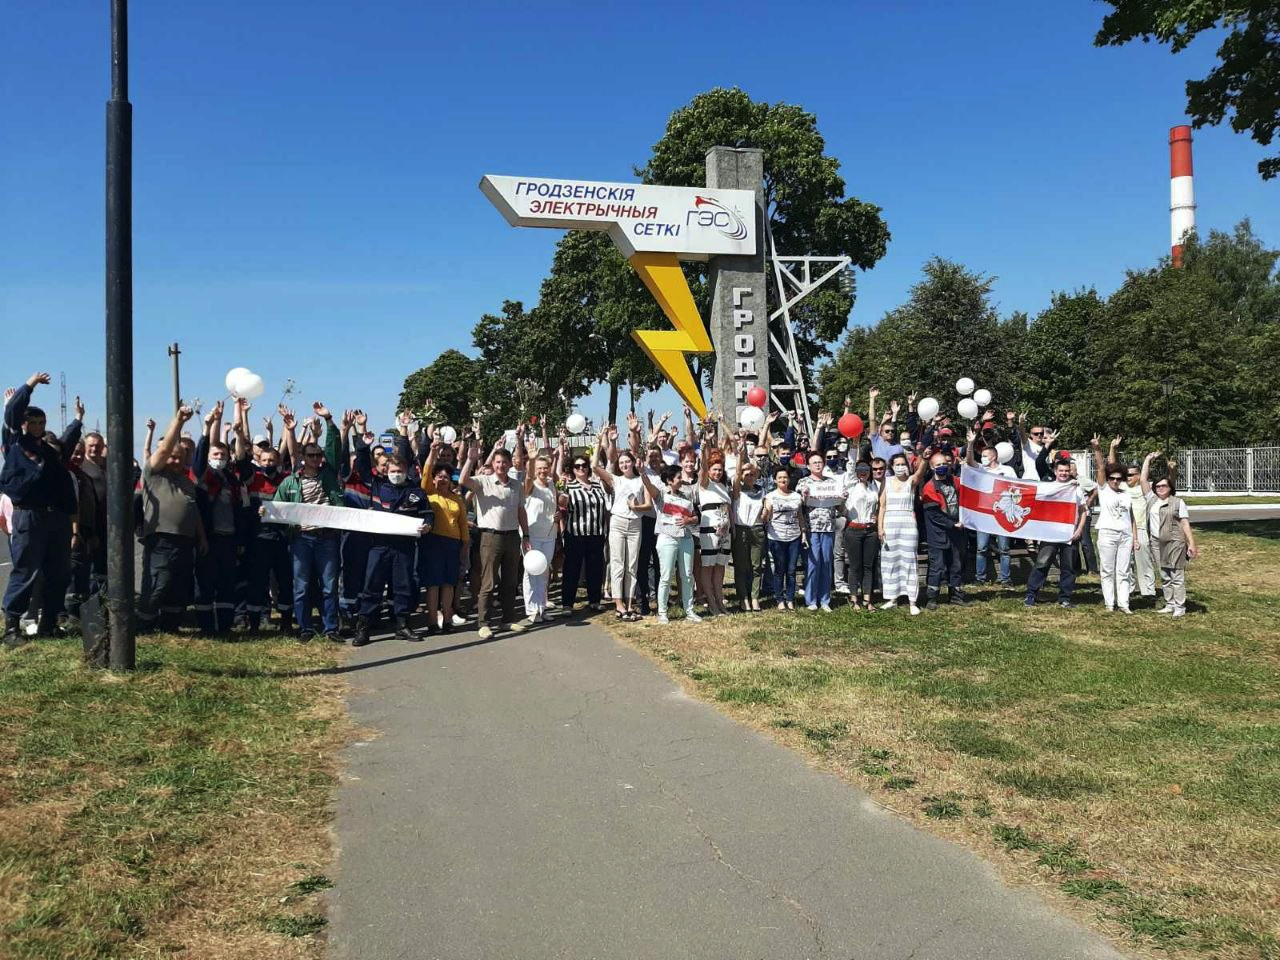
(942, 471)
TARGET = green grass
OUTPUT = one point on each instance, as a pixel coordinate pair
(1138, 742)
(1228, 499)
(138, 802)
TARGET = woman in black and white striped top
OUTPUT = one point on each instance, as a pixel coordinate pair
(585, 508)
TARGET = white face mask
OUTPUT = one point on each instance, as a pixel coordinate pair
(900, 471)
(989, 462)
(396, 477)
(218, 463)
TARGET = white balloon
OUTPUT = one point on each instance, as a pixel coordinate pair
(964, 386)
(982, 397)
(250, 387)
(927, 408)
(447, 434)
(233, 377)
(576, 423)
(535, 563)
(968, 409)
(751, 418)
(1004, 451)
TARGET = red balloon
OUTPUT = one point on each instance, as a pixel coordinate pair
(850, 425)
(799, 460)
(757, 397)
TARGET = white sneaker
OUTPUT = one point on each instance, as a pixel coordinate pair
(1110, 609)
(485, 632)
(842, 588)
(1126, 610)
(825, 608)
(662, 619)
(1180, 612)
(915, 611)
(888, 604)
(692, 617)
(1167, 608)
(812, 606)
(458, 621)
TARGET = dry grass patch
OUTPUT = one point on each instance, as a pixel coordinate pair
(167, 813)
(1129, 767)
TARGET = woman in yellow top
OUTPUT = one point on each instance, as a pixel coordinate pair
(440, 551)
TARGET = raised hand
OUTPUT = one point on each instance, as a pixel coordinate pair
(38, 378)
(894, 407)
(1115, 444)
(404, 418)
(1095, 442)
(1010, 417)
(874, 392)
(321, 410)
(151, 424)
(266, 423)
(773, 415)
(633, 422)
(8, 394)
(612, 433)
(79, 409)
(911, 400)
(287, 417)
(185, 413)
(348, 419)
(213, 414)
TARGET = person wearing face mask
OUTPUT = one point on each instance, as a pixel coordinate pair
(1172, 541)
(944, 534)
(823, 497)
(862, 544)
(786, 532)
(541, 523)
(268, 551)
(392, 557)
(899, 535)
(223, 501)
(991, 463)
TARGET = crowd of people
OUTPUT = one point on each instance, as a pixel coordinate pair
(801, 519)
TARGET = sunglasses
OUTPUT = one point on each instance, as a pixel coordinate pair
(1036, 433)
(1117, 478)
(579, 466)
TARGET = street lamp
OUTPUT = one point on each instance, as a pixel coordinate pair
(1166, 387)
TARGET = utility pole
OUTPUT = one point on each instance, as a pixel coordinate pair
(119, 283)
(177, 389)
(62, 378)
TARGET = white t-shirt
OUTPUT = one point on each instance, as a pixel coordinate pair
(749, 505)
(861, 501)
(1115, 509)
(671, 509)
(540, 510)
(624, 490)
(1006, 471)
(670, 457)
(784, 523)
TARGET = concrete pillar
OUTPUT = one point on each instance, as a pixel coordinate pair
(739, 303)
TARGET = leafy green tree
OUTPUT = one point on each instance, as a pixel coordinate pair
(946, 330)
(804, 197)
(1245, 83)
(451, 382)
(1055, 368)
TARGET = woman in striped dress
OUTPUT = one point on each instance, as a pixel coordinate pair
(585, 520)
(899, 570)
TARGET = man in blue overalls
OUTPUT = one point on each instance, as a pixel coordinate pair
(36, 479)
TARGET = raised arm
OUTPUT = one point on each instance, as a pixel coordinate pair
(150, 438)
(289, 439)
(243, 443)
(1145, 478)
(1099, 464)
(465, 479)
(160, 459)
(871, 407)
(332, 442)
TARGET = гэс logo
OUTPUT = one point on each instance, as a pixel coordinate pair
(712, 213)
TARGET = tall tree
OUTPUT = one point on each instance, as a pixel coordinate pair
(451, 383)
(1245, 83)
(804, 197)
(946, 330)
(1055, 368)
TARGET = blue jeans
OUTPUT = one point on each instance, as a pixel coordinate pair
(313, 555)
(785, 555)
(673, 553)
(980, 563)
(817, 575)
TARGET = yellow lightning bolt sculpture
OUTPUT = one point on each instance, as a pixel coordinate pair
(668, 349)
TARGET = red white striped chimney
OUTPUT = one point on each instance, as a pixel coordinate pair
(1182, 198)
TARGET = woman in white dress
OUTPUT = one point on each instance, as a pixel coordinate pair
(899, 570)
(543, 517)
(630, 500)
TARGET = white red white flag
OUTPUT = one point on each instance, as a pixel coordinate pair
(1017, 508)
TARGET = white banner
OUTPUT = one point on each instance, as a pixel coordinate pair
(339, 518)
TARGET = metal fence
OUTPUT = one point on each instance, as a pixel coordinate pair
(1242, 470)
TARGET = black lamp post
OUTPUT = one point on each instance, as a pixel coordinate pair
(119, 590)
(1166, 387)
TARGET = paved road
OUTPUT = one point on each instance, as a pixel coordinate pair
(554, 795)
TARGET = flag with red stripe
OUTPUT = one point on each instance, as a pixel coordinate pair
(991, 503)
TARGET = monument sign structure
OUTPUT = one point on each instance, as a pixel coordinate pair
(655, 228)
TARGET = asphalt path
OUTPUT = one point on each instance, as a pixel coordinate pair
(555, 795)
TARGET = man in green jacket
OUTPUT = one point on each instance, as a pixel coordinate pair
(315, 549)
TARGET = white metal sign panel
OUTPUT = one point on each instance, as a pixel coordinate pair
(691, 222)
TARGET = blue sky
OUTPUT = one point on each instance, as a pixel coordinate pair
(305, 172)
